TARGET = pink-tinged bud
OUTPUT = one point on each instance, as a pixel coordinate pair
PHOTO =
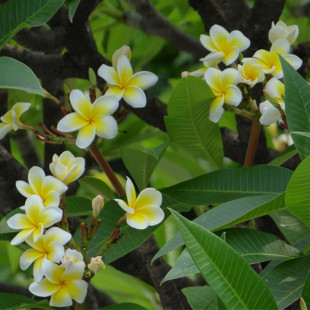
(96, 264)
(302, 304)
(97, 204)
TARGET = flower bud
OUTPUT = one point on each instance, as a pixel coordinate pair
(96, 264)
(97, 205)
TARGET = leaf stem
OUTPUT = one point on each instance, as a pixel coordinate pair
(252, 145)
(103, 164)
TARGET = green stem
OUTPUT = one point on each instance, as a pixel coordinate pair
(252, 145)
(103, 164)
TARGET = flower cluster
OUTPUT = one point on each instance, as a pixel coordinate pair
(232, 86)
(56, 272)
(59, 272)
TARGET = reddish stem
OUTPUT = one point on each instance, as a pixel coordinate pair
(103, 164)
(252, 146)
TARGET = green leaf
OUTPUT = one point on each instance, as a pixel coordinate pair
(228, 184)
(124, 306)
(18, 76)
(188, 121)
(141, 163)
(306, 291)
(286, 281)
(94, 187)
(255, 246)
(16, 14)
(72, 6)
(78, 206)
(201, 298)
(230, 213)
(214, 258)
(291, 227)
(288, 153)
(297, 196)
(297, 107)
(19, 302)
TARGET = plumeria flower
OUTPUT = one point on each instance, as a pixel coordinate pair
(223, 45)
(144, 210)
(90, 119)
(66, 167)
(270, 114)
(72, 258)
(11, 119)
(124, 84)
(270, 61)
(281, 31)
(50, 246)
(223, 85)
(61, 284)
(251, 72)
(32, 223)
(96, 264)
(47, 187)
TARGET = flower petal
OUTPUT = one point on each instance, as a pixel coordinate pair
(33, 208)
(50, 216)
(135, 97)
(24, 188)
(80, 103)
(124, 69)
(229, 77)
(58, 170)
(130, 192)
(52, 184)
(52, 271)
(230, 57)
(19, 221)
(19, 108)
(77, 289)
(148, 197)
(37, 269)
(55, 252)
(22, 236)
(124, 206)
(61, 298)
(238, 39)
(293, 60)
(280, 46)
(5, 129)
(154, 214)
(106, 127)
(219, 36)
(86, 136)
(138, 221)
(233, 95)
(109, 74)
(274, 88)
(51, 199)
(56, 234)
(43, 288)
(143, 79)
(216, 109)
(212, 77)
(71, 122)
(75, 271)
(38, 232)
(115, 91)
(270, 114)
(28, 257)
(105, 105)
(207, 43)
(36, 176)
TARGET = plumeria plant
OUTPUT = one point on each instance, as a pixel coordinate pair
(113, 182)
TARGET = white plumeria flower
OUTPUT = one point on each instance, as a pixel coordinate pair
(11, 119)
(66, 167)
(270, 61)
(96, 264)
(61, 284)
(124, 84)
(223, 45)
(90, 119)
(47, 187)
(50, 246)
(144, 210)
(281, 31)
(223, 85)
(251, 72)
(32, 223)
(72, 258)
(270, 114)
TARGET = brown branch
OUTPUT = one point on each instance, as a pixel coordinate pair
(150, 21)
(209, 15)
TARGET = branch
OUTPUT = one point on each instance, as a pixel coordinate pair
(234, 12)
(209, 15)
(150, 21)
(259, 22)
